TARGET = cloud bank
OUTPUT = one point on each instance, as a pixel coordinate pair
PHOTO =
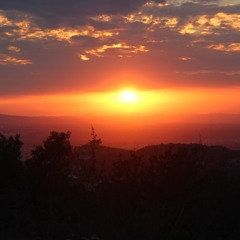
(95, 45)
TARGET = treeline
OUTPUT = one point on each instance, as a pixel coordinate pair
(60, 194)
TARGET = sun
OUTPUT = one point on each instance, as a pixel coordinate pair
(128, 97)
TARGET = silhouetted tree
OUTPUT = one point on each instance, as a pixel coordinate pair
(129, 170)
(12, 186)
(10, 148)
(10, 156)
(51, 161)
(94, 142)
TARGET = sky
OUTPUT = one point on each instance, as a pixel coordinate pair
(73, 57)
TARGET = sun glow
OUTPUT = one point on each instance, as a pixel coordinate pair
(128, 100)
(128, 97)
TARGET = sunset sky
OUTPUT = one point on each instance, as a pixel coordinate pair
(75, 57)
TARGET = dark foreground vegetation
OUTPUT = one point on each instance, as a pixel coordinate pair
(181, 192)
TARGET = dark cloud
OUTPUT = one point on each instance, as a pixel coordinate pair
(69, 44)
(103, 25)
(190, 9)
(60, 10)
(85, 41)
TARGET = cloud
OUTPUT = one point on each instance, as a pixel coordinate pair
(185, 58)
(66, 43)
(203, 2)
(25, 28)
(64, 10)
(13, 49)
(119, 49)
(233, 47)
(10, 60)
(211, 24)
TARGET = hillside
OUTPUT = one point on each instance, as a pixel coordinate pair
(166, 191)
(215, 129)
(209, 157)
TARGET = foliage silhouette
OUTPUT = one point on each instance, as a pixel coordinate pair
(50, 162)
(10, 156)
(188, 191)
(94, 142)
(10, 148)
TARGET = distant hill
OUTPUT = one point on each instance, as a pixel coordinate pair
(214, 129)
(105, 156)
(209, 157)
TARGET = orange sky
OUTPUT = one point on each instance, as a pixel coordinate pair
(180, 56)
(165, 101)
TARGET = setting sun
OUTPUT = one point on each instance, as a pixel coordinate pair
(128, 97)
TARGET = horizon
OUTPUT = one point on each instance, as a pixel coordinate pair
(126, 132)
(165, 102)
(156, 83)
(123, 65)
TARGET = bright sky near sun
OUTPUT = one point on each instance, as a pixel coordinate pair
(128, 96)
(80, 57)
(168, 101)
